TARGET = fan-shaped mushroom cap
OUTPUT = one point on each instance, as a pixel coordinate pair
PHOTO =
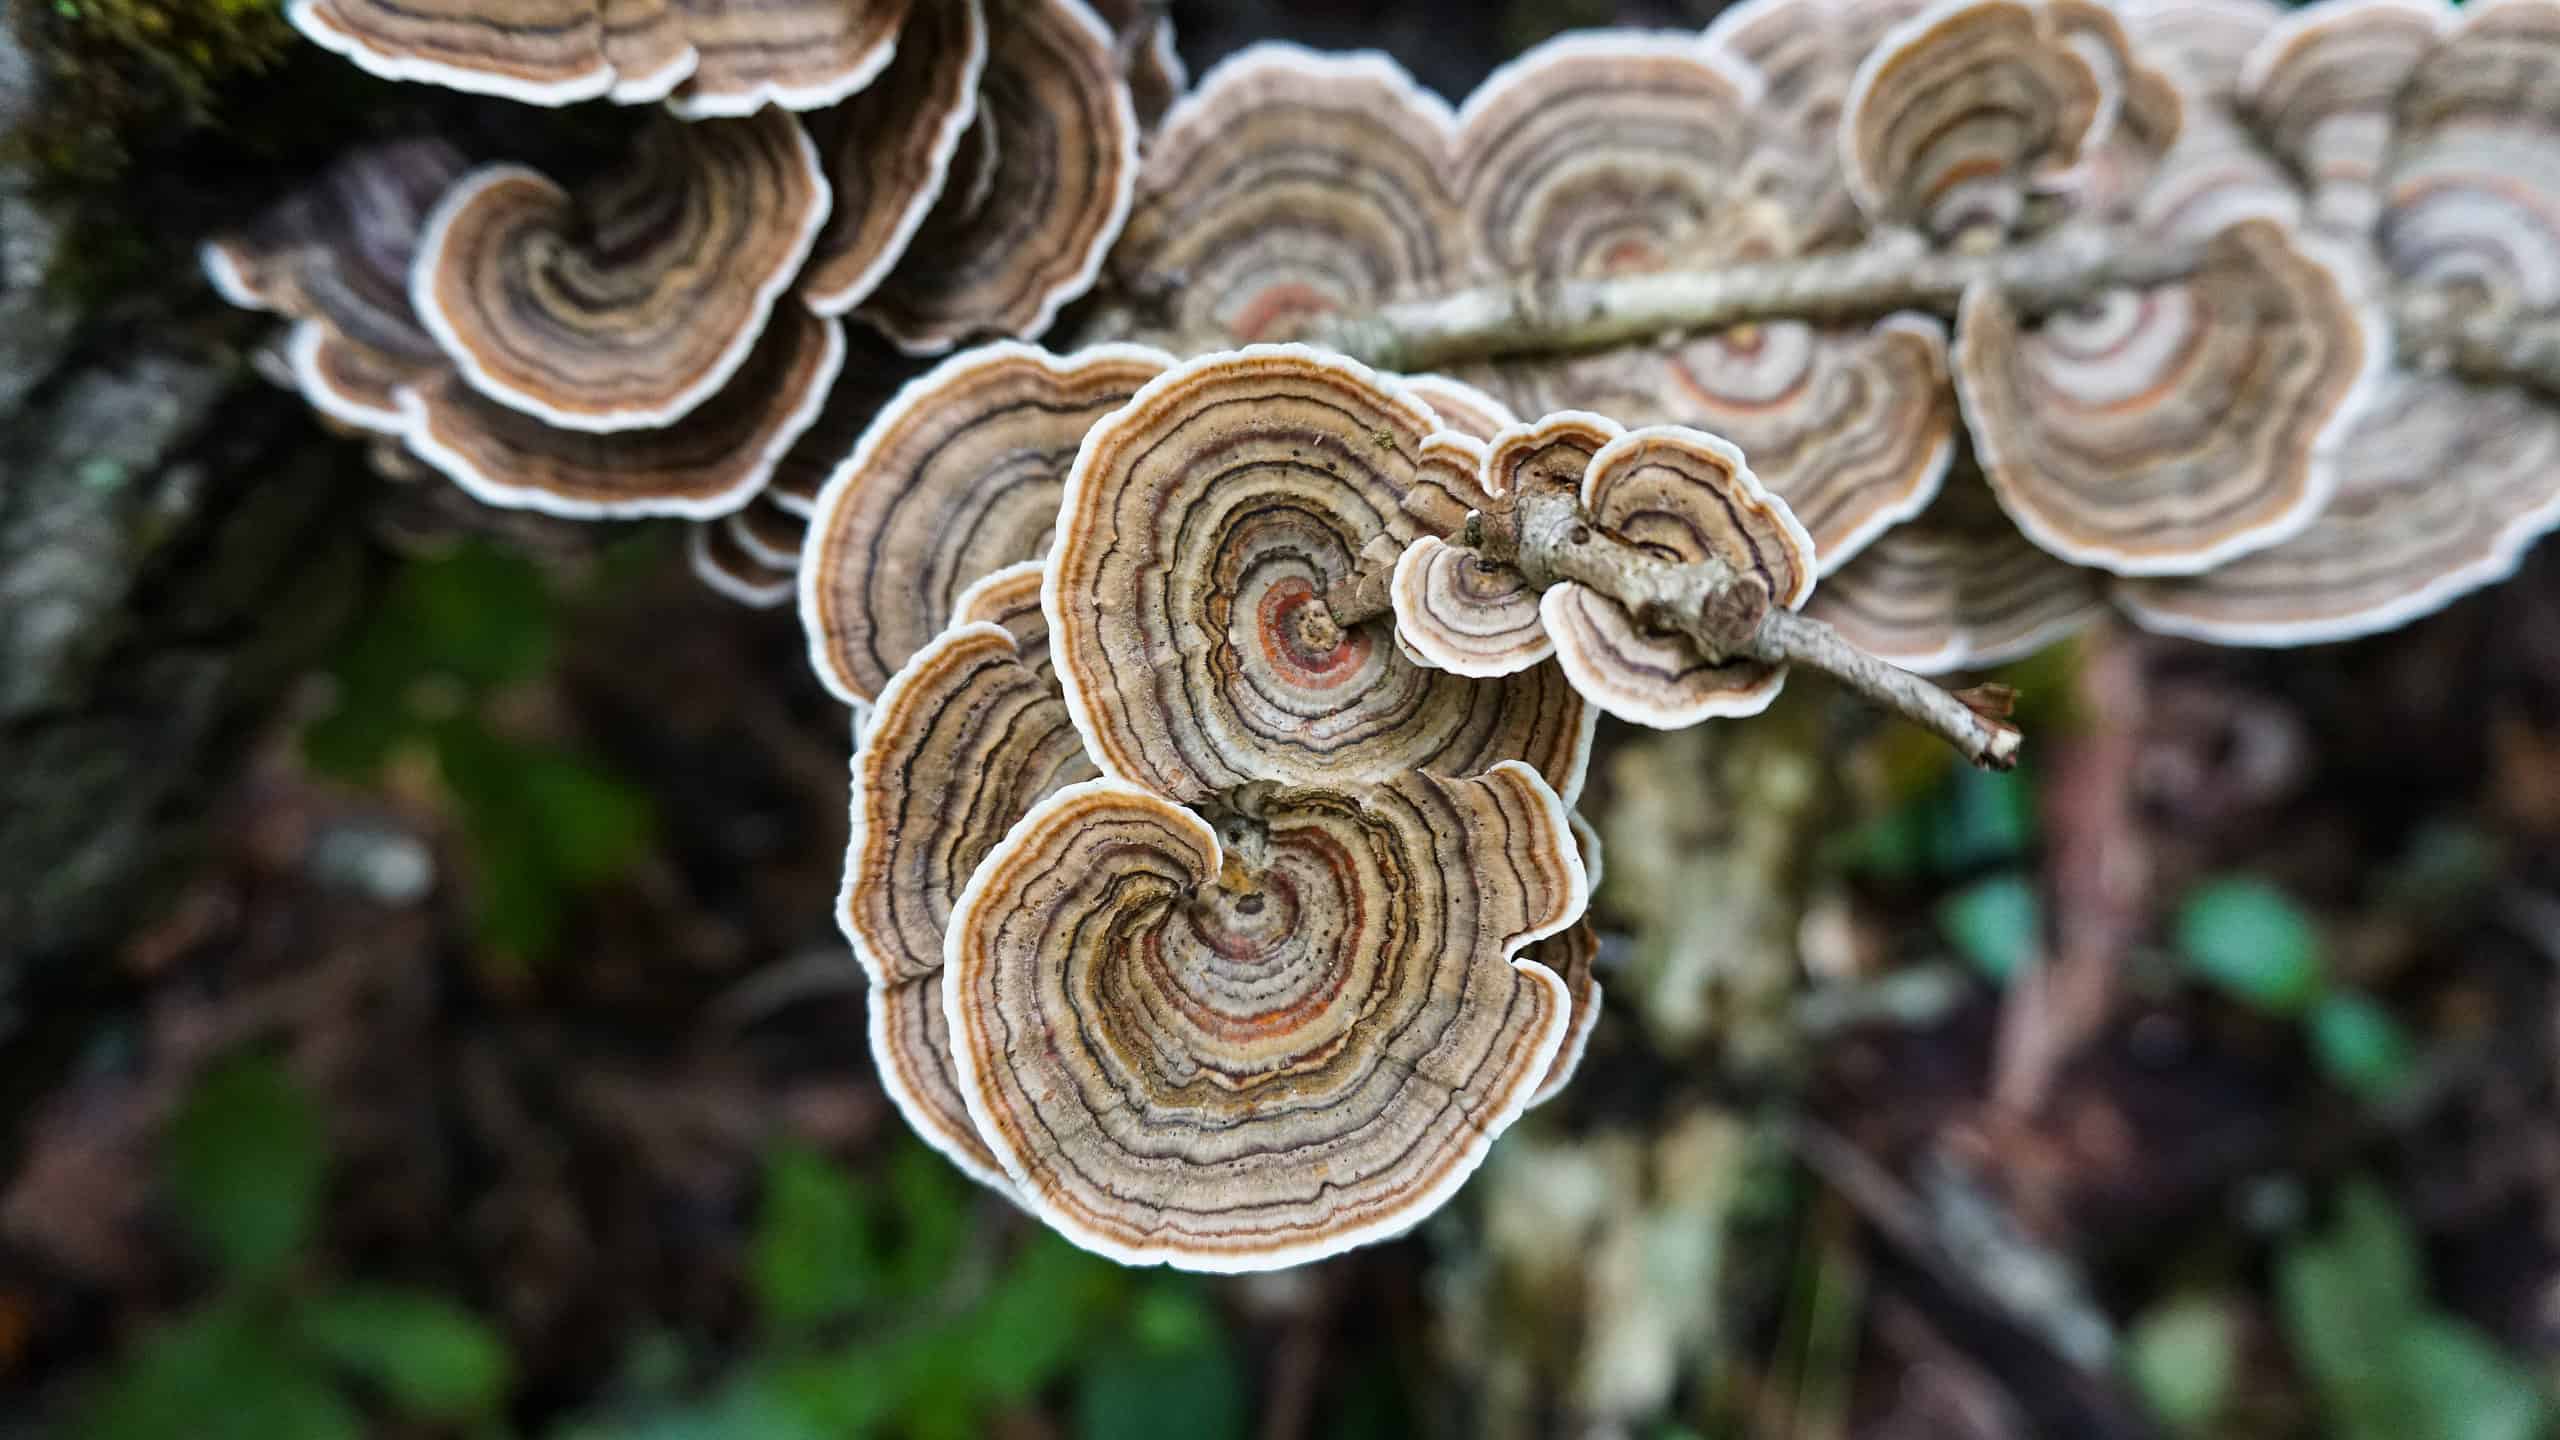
(888, 149)
(999, 258)
(767, 531)
(1807, 53)
(2166, 431)
(2149, 108)
(1268, 1046)
(1963, 111)
(1460, 406)
(911, 1051)
(1010, 598)
(2320, 87)
(1550, 453)
(1609, 152)
(746, 54)
(1202, 526)
(1688, 497)
(542, 52)
(627, 305)
(719, 561)
(1288, 186)
(956, 477)
(1459, 612)
(2207, 41)
(1154, 67)
(709, 463)
(1573, 954)
(2472, 191)
(2214, 176)
(2444, 486)
(1956, 589)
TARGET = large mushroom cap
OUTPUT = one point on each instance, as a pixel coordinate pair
(1202, 527)
(2165, 431)
(629, 303)
(1250, 1045)
(543, 52)
(2443, 487)
(2206, 41)
(1964, 111)
(958, 476)
(1687, 497)
(1288, 186)
(2149, 106)
(1609, 152)
(2320, 87)
(1956, 589)
(1807, 53)
(2471, 194)
(709, 463)
(966, 740)
(999, 258)
(888, 150)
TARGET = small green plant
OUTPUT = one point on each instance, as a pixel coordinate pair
(273, 1355)
(2250, 940)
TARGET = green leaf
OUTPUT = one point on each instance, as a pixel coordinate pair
(2180, 1355)
(812, 1257)
(2359, 1045)
(1996, 923)
(479, 613)
(2251, 941)
(1134, 1391)
(931, 1203)
(220, 1373)
(247, 1157)
(2472, 1392)
(542, 825)
(1986, 816)
(433, 1358)
(1031, 1325)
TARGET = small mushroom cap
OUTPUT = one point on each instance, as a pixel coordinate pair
(2214, 176)
(1264, 1046)
(888, 150)
(1963, 111)
(1460, 406)
(1550, 453)
(1956, 589)
(626, 305)
(769, 532)
(2320, 87)
(911, 1051)
(1289, 186)
(999, 258)
(1202, 526)
(542, 52)
(958, 476)
(2206, 41)
(2444, 486)
(707, 464)
(1010, 598)
(1573, 954)
(1807, 53)
(2168, 430)
(1157, 77)
(2471, 194)
(1460, 612)
(720, 562)
(1608, 152)
(1688, 497)
(2149, 106)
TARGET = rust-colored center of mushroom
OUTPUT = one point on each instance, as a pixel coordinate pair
(1303, 642)
(1279, 312)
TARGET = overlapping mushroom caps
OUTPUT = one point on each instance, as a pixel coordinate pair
(1573, 953)
(2167, 430)
(1203, 524)
(1687, 497)
(2320, 87)
(888, 150)
(2471, 192)
(1257, 1042)
(2148, 107)
(1807, 52)
(1955, 589)
(958, 476)
(1053, 168)
(1962, 114)
(709, 57)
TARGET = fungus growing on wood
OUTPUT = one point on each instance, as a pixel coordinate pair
(624, 305)
(2320, 89)
(2167, 430)
(958, 476)
(2148, 108)
(888, 150)
(1288, 186)
(1010, 598)
(1957, 588)
(2206, 42)
(708, 57)
(2443, 487)
(2471, 194)
(1685, 497)
(1461, 407)
(1964, 112)
(717, 559)
(1270, 1038)
(2214, 176)
(967, 738)
(1807, 53)
(709, 463)
(1056, 163)
(1203, 526)
(1460, 612)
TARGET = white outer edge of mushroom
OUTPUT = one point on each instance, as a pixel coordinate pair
(1406, 587)
(1539, 429)
(1933, 476)
(914, 395)
(697, 550)
(817, 95)
(416, 433)
(922, 1119)
(1373, 65)
(1446, 393)
(971, 594)
(306, 16)
(1748, 85)
(656, 85)
(222, 271)
(754, 544)
(2261, 61)
(858, 288)
(2320, 476)
(1424, 1204)
(1870, 197)
(302, 359)
(431, 243)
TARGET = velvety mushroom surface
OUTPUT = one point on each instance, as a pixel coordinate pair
(958, 476)
(1687, 497)
(628, 303)
(1202, 526)
(888, 150)
(1807, 53)
(1956, 588)
(2168, 430)
(1256, 1040)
